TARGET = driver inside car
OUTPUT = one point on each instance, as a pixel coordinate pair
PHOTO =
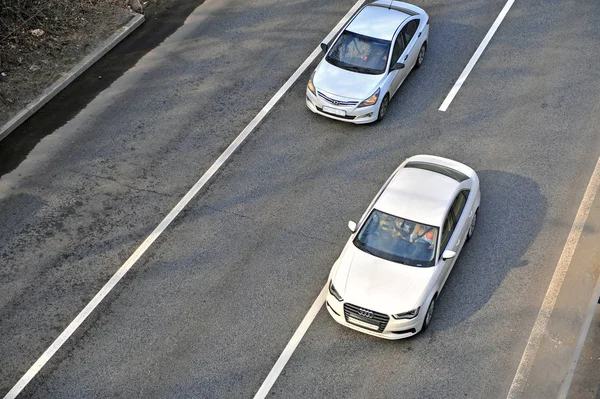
(423, 234)
(357, 48)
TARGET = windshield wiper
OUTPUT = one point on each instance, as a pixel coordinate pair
(352, 68)
(343, 65)
(363, 247)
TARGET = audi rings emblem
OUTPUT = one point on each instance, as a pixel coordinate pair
(365, 313)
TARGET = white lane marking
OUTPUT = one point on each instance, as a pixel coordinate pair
(105, 290)
(291, 346)
(564, 389)
(541, 322)
(465, 73)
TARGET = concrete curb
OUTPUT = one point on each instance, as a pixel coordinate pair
(71, 75)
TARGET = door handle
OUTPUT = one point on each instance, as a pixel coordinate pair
(419, 34)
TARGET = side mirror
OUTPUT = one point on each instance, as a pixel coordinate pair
(324, 47)
(448, 254)
(396, 66)
(352, 226)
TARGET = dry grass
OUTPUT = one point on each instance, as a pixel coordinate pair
(39, 39)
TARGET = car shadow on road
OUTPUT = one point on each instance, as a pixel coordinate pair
(504, 232)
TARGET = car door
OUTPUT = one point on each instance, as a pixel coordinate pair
(404, 52)
(409, 57)
(462, 218)
(454, 233)
(447, 241)
(398, 75)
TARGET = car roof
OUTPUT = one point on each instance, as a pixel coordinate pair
(420, 195)
(377, 22)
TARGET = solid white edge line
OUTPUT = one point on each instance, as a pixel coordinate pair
(541, 322)
(465, 73)
(591, 310)
(105, 290)
(289, 349)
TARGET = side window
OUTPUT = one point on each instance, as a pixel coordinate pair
(459, 204)
(409, 30)
(447, 230)
(399, 46)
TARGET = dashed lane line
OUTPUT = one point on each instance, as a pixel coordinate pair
(137, 254)
(291, 346)
(465, 73)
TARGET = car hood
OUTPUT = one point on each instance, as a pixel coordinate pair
(342, 83)
(380, 285)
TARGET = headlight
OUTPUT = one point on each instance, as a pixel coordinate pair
(407, 315)
(333, 292)
(371, 100)
(311, 85)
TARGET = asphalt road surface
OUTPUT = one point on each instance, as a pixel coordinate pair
(208, 309)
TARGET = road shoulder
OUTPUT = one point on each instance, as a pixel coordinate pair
(559, 343)
(71, 75)
(586, 381)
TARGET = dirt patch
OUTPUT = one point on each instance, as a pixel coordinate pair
(41, 39)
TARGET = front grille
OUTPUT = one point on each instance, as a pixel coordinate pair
(379, 320)
(337, 116)
(337, 102)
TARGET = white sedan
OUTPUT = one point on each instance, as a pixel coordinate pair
(368, 61)
(393, 267)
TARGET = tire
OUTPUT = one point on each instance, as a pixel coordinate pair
(429, 314)
(383, 107)
(472, 227)
(421, 55)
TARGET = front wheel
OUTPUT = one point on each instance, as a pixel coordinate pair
(472, 226)
(428, 315)
(421, 55)
(383, 107)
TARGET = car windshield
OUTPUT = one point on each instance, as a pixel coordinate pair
(358, 53)
(398, 240)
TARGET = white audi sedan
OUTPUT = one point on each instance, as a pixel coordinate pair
(393, 267)
(368, 61)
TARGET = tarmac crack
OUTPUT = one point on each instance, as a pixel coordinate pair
(112, 179)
